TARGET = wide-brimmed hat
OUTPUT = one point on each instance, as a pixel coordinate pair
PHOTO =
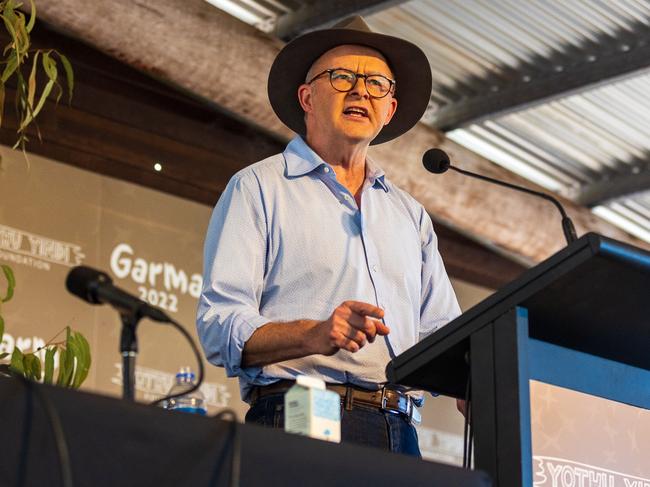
(407, 61)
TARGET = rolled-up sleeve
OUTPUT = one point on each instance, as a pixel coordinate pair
(438, 302)
(233, 275)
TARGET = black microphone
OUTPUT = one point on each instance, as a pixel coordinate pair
(96, 287)
(437, 161)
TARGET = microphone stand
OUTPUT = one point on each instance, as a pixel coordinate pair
(129, 352)
(567, 225)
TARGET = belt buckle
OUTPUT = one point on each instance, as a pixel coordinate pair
(412, 412)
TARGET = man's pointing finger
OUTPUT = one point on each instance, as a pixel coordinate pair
(365, 309)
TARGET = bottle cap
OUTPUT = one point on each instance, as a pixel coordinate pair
(185, 373)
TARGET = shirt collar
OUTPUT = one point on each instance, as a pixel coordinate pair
(375, 174)
(301, 160)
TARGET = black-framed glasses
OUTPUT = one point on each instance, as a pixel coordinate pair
(341, 79)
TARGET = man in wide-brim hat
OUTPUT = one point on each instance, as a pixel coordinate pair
(315, 263)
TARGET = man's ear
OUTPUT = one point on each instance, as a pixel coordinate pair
(391, 111)
(305, 97)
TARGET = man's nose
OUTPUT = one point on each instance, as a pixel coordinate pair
(359, 88)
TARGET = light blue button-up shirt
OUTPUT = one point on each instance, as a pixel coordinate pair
(287, 241)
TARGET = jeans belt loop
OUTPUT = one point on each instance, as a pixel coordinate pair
(384, 398)
(349, 399)
(409, 407)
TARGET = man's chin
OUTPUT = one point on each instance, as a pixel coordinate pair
(359, 135)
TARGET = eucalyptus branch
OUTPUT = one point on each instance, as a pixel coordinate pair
(49, 342)
(28, 101)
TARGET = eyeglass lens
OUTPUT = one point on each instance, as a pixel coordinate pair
(344, 80)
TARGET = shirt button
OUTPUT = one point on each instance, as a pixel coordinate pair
(326, 169)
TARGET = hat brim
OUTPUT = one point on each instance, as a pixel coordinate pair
(407, 61)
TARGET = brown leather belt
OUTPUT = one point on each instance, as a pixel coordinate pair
(385, 398)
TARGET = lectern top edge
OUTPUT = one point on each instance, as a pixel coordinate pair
(528, 289)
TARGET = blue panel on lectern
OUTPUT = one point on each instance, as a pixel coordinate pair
(625, 253)
(524, 396)
(589, 374)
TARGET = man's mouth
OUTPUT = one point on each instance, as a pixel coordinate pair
(356, 112)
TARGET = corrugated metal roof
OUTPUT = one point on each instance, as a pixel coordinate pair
(472, 45)
(574, 141)
(479, 46)
(567, 144)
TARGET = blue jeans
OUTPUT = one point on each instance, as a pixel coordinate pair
(364, 425)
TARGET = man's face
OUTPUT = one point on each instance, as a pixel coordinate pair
(355, 115)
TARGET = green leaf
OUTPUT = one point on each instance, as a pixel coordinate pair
(31, 83)
(44, 95)
(69, 74)
(49, 365)
(6, 17)
(36, 367)
(32, 17)
(11, 282)
(69, 368)
(49, 65)
(10, 67)
(27, 365)
(71, 345)
(21, 33)
(82, 353)
(41, 102)
(17, 361)
(2, 328)
(66, 362)
(8, 12)
(63, 367)
(32, 366)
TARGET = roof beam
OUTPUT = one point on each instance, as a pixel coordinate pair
(205, 51)
(568, 71)
(474, 263)
(314, 15)
(618, 185)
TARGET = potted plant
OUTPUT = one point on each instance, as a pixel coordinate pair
(71, 353)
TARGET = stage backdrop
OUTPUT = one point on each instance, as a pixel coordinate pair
(54, 217)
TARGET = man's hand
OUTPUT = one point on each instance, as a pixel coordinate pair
(461, 405)
(350, 327)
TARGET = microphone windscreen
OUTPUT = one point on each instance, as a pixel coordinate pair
(82, 281)
(436, 161)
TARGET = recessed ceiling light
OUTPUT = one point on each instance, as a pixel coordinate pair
(157, 167)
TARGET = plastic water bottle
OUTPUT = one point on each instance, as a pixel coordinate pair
(194, 402)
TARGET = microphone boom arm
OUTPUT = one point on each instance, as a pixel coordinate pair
(567, 225)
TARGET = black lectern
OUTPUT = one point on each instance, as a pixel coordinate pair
(578, 323)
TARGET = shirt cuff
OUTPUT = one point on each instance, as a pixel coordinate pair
(241, 334)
